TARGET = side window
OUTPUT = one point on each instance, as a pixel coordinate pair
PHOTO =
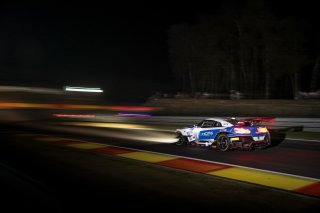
(200, 124)
(208, 124)
(218, 124)
(204, 124)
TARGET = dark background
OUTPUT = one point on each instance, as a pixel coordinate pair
(120, 47)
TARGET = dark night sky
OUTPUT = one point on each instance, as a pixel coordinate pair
(115, 47)
(111, 46)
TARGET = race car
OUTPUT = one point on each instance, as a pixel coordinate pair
(226, 134)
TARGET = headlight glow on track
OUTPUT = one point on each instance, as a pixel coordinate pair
(109, 125)
(134, 131)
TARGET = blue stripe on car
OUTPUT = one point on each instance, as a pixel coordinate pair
(208, 134)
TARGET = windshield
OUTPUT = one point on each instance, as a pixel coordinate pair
(209, 124)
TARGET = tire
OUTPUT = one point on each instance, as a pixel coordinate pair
(267, 142)
(223, 142)
(182, 140)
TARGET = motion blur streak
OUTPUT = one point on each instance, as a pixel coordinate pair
(132, 108)
(131, 115)
(83, 89)
(74, 115)
(128, 131)
(10, 105)
(110, 125)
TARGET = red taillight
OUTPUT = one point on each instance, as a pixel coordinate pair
(261, 130)
(242, 131)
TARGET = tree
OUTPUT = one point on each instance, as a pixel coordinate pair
(315, 75)
(245, 48)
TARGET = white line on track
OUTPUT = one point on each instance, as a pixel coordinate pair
(297, 139)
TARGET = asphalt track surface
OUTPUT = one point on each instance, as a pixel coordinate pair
(292, 157)
(296, 157)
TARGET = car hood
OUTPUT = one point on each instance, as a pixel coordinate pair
(185, 129)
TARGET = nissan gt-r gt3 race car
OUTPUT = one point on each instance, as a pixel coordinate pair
(226, 134)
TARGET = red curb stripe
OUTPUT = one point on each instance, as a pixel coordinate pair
(312, 189)
(111, 150)
(193, 165)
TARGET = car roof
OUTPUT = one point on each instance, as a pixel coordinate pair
(216, 119)
(224, 122)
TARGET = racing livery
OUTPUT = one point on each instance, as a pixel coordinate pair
(225, 134)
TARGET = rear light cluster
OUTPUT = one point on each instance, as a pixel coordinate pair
(242, 131)
(247, 131)
(262, 130)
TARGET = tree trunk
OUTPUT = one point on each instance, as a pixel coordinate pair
(192, 86)
(267, 85)
(315, 75)
(294, 83)
(241, 48)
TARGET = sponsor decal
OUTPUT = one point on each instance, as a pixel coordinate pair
(206, 134)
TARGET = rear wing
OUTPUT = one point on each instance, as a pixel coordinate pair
(262, 121)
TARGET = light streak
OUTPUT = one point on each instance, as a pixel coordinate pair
(83, 89)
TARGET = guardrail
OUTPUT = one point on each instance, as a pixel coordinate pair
(297, 124)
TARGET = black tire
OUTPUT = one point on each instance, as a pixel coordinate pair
(267, 142)
(223, 142)
(182, 140)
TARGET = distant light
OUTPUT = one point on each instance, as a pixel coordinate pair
(83, 89)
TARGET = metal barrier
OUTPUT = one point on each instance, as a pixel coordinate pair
(297, 124)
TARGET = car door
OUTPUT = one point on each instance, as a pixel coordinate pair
(209, 130)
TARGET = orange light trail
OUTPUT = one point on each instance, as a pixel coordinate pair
(11, 105)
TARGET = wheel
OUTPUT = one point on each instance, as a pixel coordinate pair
(182, 140)
(267, 142)
(223, 142)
